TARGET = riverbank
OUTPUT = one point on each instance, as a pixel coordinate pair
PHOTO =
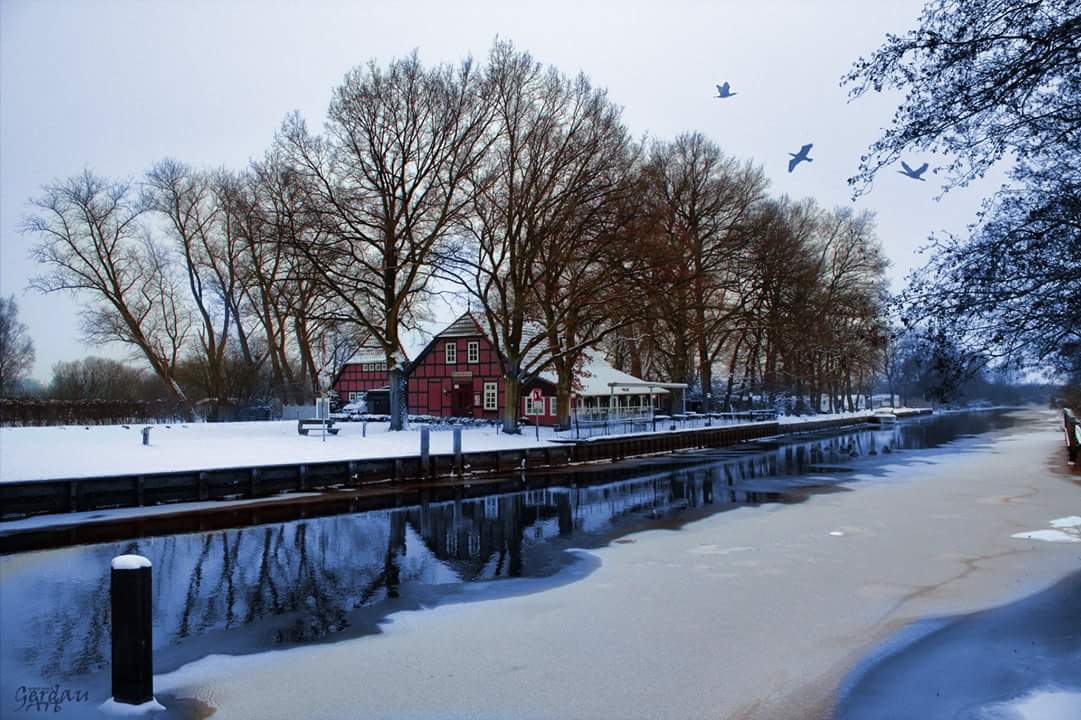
(256, 460)
(755, 613)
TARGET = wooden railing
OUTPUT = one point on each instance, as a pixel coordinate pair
(1072, 427)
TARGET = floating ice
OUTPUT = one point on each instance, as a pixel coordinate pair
(837, 533)
(717, 550)
(1067, 529)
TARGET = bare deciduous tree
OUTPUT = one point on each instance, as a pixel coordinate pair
(558, 165)
(91, 241)
(386, 183)
(16, 347)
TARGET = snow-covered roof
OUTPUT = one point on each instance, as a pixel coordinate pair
(594, 376)
(366, 355)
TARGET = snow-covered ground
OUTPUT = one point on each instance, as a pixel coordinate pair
(38, 453)
(73, 451)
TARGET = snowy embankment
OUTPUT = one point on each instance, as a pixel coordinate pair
(43, 453)
(75, 451)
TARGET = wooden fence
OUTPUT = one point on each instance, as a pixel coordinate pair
(1072, 427)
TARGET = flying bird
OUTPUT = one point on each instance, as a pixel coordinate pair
(799, 157)
(914, 174)
(725, 91)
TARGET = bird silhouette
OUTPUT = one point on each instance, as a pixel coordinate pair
(914, 174)
(725, 91)
(799, 157)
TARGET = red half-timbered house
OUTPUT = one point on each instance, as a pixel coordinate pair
(458, 374)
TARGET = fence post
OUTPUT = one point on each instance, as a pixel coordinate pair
(458, 450)
(133, 651)
(425, 460)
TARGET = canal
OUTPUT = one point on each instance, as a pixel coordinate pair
(318, 580)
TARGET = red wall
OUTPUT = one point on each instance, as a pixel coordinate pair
(354, 378)
(432, 380)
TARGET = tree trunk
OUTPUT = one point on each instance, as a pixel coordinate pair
(565, 379)
(398, 395)
(512, 398)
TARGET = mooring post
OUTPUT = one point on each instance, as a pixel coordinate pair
(457, 439)
(364, 429)
(133, 659)
(424, 448)
(146, 436)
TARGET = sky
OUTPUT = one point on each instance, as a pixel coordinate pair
(115, 85)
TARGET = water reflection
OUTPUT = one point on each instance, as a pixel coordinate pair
(247, 589)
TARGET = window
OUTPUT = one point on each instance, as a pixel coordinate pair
(491, 394)
(450, 351)
(472, 351)
(534, 408)
(552, 406)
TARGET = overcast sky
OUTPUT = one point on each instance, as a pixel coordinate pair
(114, 86)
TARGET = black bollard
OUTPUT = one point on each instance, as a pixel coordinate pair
(424, 450)
(458, 450)
(146, 436)
(133, 659)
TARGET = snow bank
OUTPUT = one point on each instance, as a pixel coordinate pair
(112, 707)
(42, 453)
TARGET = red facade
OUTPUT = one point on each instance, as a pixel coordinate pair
(465, 380)
(360, 376)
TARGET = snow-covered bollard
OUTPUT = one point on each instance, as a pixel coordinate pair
(133, 659)
(146, 436)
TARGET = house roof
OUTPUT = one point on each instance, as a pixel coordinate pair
(465, 326)
(592, 380)
(595, 375)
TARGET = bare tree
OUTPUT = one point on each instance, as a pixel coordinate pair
(392, 175)
(91, 242)
(700, 199)
(208, 241)
(558, 164)
(98, 378)
(16, 347)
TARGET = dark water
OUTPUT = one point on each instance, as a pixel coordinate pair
(319, 580)
(962, 667)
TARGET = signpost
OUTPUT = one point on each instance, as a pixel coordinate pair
(537, 396)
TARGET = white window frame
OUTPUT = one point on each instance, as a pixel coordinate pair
(450, 353)
(472, 351)
(533, 409)
(552, 406)
(491, 396)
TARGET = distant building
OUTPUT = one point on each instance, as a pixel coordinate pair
(458, 374)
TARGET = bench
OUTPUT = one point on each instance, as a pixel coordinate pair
(304, 425)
